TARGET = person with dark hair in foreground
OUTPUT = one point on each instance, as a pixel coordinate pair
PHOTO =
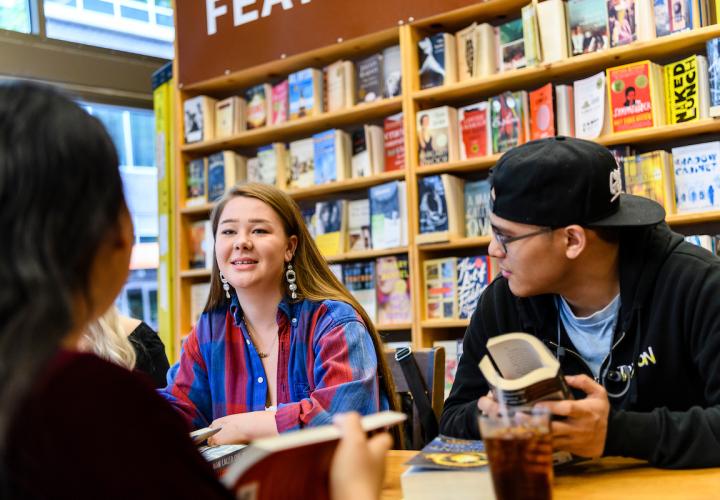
(71, 424)
(629, 308)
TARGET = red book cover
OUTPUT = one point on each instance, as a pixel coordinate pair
(630, 96)
(280, 103)
(542, 114)
(473, 121)
(394, 142)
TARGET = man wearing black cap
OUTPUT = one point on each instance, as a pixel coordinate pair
(630, 309)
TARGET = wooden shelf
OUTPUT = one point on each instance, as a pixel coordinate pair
(472, 165)
(322, 190)
(695, 218)
(445, 323)
(195, 273)
(366, 254)
(662, 133)
(205, 208)
(477, 241)
(573, 67)
(303, 127)
(393, 327)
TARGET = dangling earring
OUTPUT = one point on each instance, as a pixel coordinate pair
(226, 285)
(290, 277)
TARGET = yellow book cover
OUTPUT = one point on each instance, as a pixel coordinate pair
(633, 91)
(649, 175)
(440, 288)
(682, 97)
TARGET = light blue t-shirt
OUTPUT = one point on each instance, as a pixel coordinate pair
(592, 335)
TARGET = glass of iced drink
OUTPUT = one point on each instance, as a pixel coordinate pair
(519, 448)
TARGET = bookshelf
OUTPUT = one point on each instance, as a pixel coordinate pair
(423, 332)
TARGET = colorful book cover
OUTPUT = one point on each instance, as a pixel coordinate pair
(621, 22)
(589, 97)
(474, 130)
(216, 176)
(359, 225)
(506, 121)
(681, 90)
(473, 277)
(360, 162)
(267, 163)
(432, 211)
(385, 215)
(359, 279)
(195, 182)
(661, 10)
(445, 452)
(325, 155)
(329, 217)
(393, 290)
(621, 155)
(630, 96)
(301, 93)
(645, 175)
(477, 208)
(200, 245)
(392, 71)
(440, 288)
(257, 106)
(395, 142)
(433, 128)
(370, 78)
(697, 177)
(680, 15)
(588, 21)
(432, 61)
(542, 112)
(451, 362)
(713, 59)
(511, 45)
(302, 163)
(280, 110)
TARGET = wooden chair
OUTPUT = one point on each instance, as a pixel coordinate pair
(431, 363)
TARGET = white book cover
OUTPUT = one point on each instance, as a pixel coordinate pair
(697, 177)
(268, 165)
(335, 78)
(589, 97)
(302, 163)
(359, 225)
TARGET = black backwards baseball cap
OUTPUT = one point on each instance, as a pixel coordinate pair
(563, 180)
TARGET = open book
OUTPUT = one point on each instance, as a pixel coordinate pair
(294, 464)
(521, 370)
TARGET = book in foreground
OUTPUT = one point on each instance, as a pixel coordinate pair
(521, 370)
(301, 460)
(448, 468)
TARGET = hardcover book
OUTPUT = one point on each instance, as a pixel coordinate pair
(280, 110)
(388, 215)
(332, 156)
(542, 112)
(360, 161)
(622, 22)
(554, 34)
(359, 279)
(395, 142)
(393, 290)
(221, 457)
(392, 71)
(259, 107)
(437, 60)
(195, 182)
(467, 42)
(437, 135)
(229, 117)
(225, 169)
(305, 93)
(474, 128)
(687, 92)
(302, 163)
(508, 120)
(531, 35)
(477, 208)
(588, 20)
(359, 225)
(636, 96)
(565, 110)
(650, 175)
(339, 85)
(521, 370)
(713, 58)
(369, 86)
(589, 96)
(201, 245)
(331, 226)
(511, 46)
(440, 288)
(441, 209)
(697, 177)
(271, 166)
(473, 277)
(199, 119)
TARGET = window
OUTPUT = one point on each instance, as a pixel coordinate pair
(139, 26)
(15, 15)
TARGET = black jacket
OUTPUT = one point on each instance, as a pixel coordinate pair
(663, 372)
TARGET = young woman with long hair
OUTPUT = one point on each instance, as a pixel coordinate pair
(282, 344)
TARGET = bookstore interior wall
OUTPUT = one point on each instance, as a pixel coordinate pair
(386, 141)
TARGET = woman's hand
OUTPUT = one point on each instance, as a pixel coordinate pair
(243, 427)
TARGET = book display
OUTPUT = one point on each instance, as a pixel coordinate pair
(390, 137)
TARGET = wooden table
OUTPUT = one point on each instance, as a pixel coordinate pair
(614, 478)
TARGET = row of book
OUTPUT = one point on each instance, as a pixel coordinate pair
(453, 285)
(710, 242)
(329, 156)
(623, 98)
(553, 30)
(308, 92)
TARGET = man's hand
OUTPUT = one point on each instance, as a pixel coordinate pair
(243, 427)
(487, 404)
(583, 432)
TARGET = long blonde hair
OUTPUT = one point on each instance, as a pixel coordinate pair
(315, 280)
(106, 338)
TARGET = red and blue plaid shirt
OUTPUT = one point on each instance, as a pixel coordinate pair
(327, 364)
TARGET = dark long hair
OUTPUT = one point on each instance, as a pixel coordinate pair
(60, 196)
(315, 280)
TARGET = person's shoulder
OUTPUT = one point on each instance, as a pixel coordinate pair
(334, 311)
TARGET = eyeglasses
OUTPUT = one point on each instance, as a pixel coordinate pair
(504, 240)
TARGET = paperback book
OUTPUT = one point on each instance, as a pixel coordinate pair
(713, 59)
(395, 142)
(259, 107)
(697, 177)
(441, 209)
(687, 90)
(437, 60)
(370, 78)
(229, 117)
(636, 96)
(199, 119)
(511, 46)
(392, 71)
(332, 156)
(225, 169)
(359, 225)
(305, 93)
(359, 279)
(508, 120)
(195, 182)
(331, 226)
(542, 112)
(622, 22)
(650, 175)
(302, 163)
(388, 217)
(473, 277)
(588, 21)
(393, 290)
(437, 135)
(474, 129)
(589, 96)
(280, 111)
(477, 208)
(440, 288)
